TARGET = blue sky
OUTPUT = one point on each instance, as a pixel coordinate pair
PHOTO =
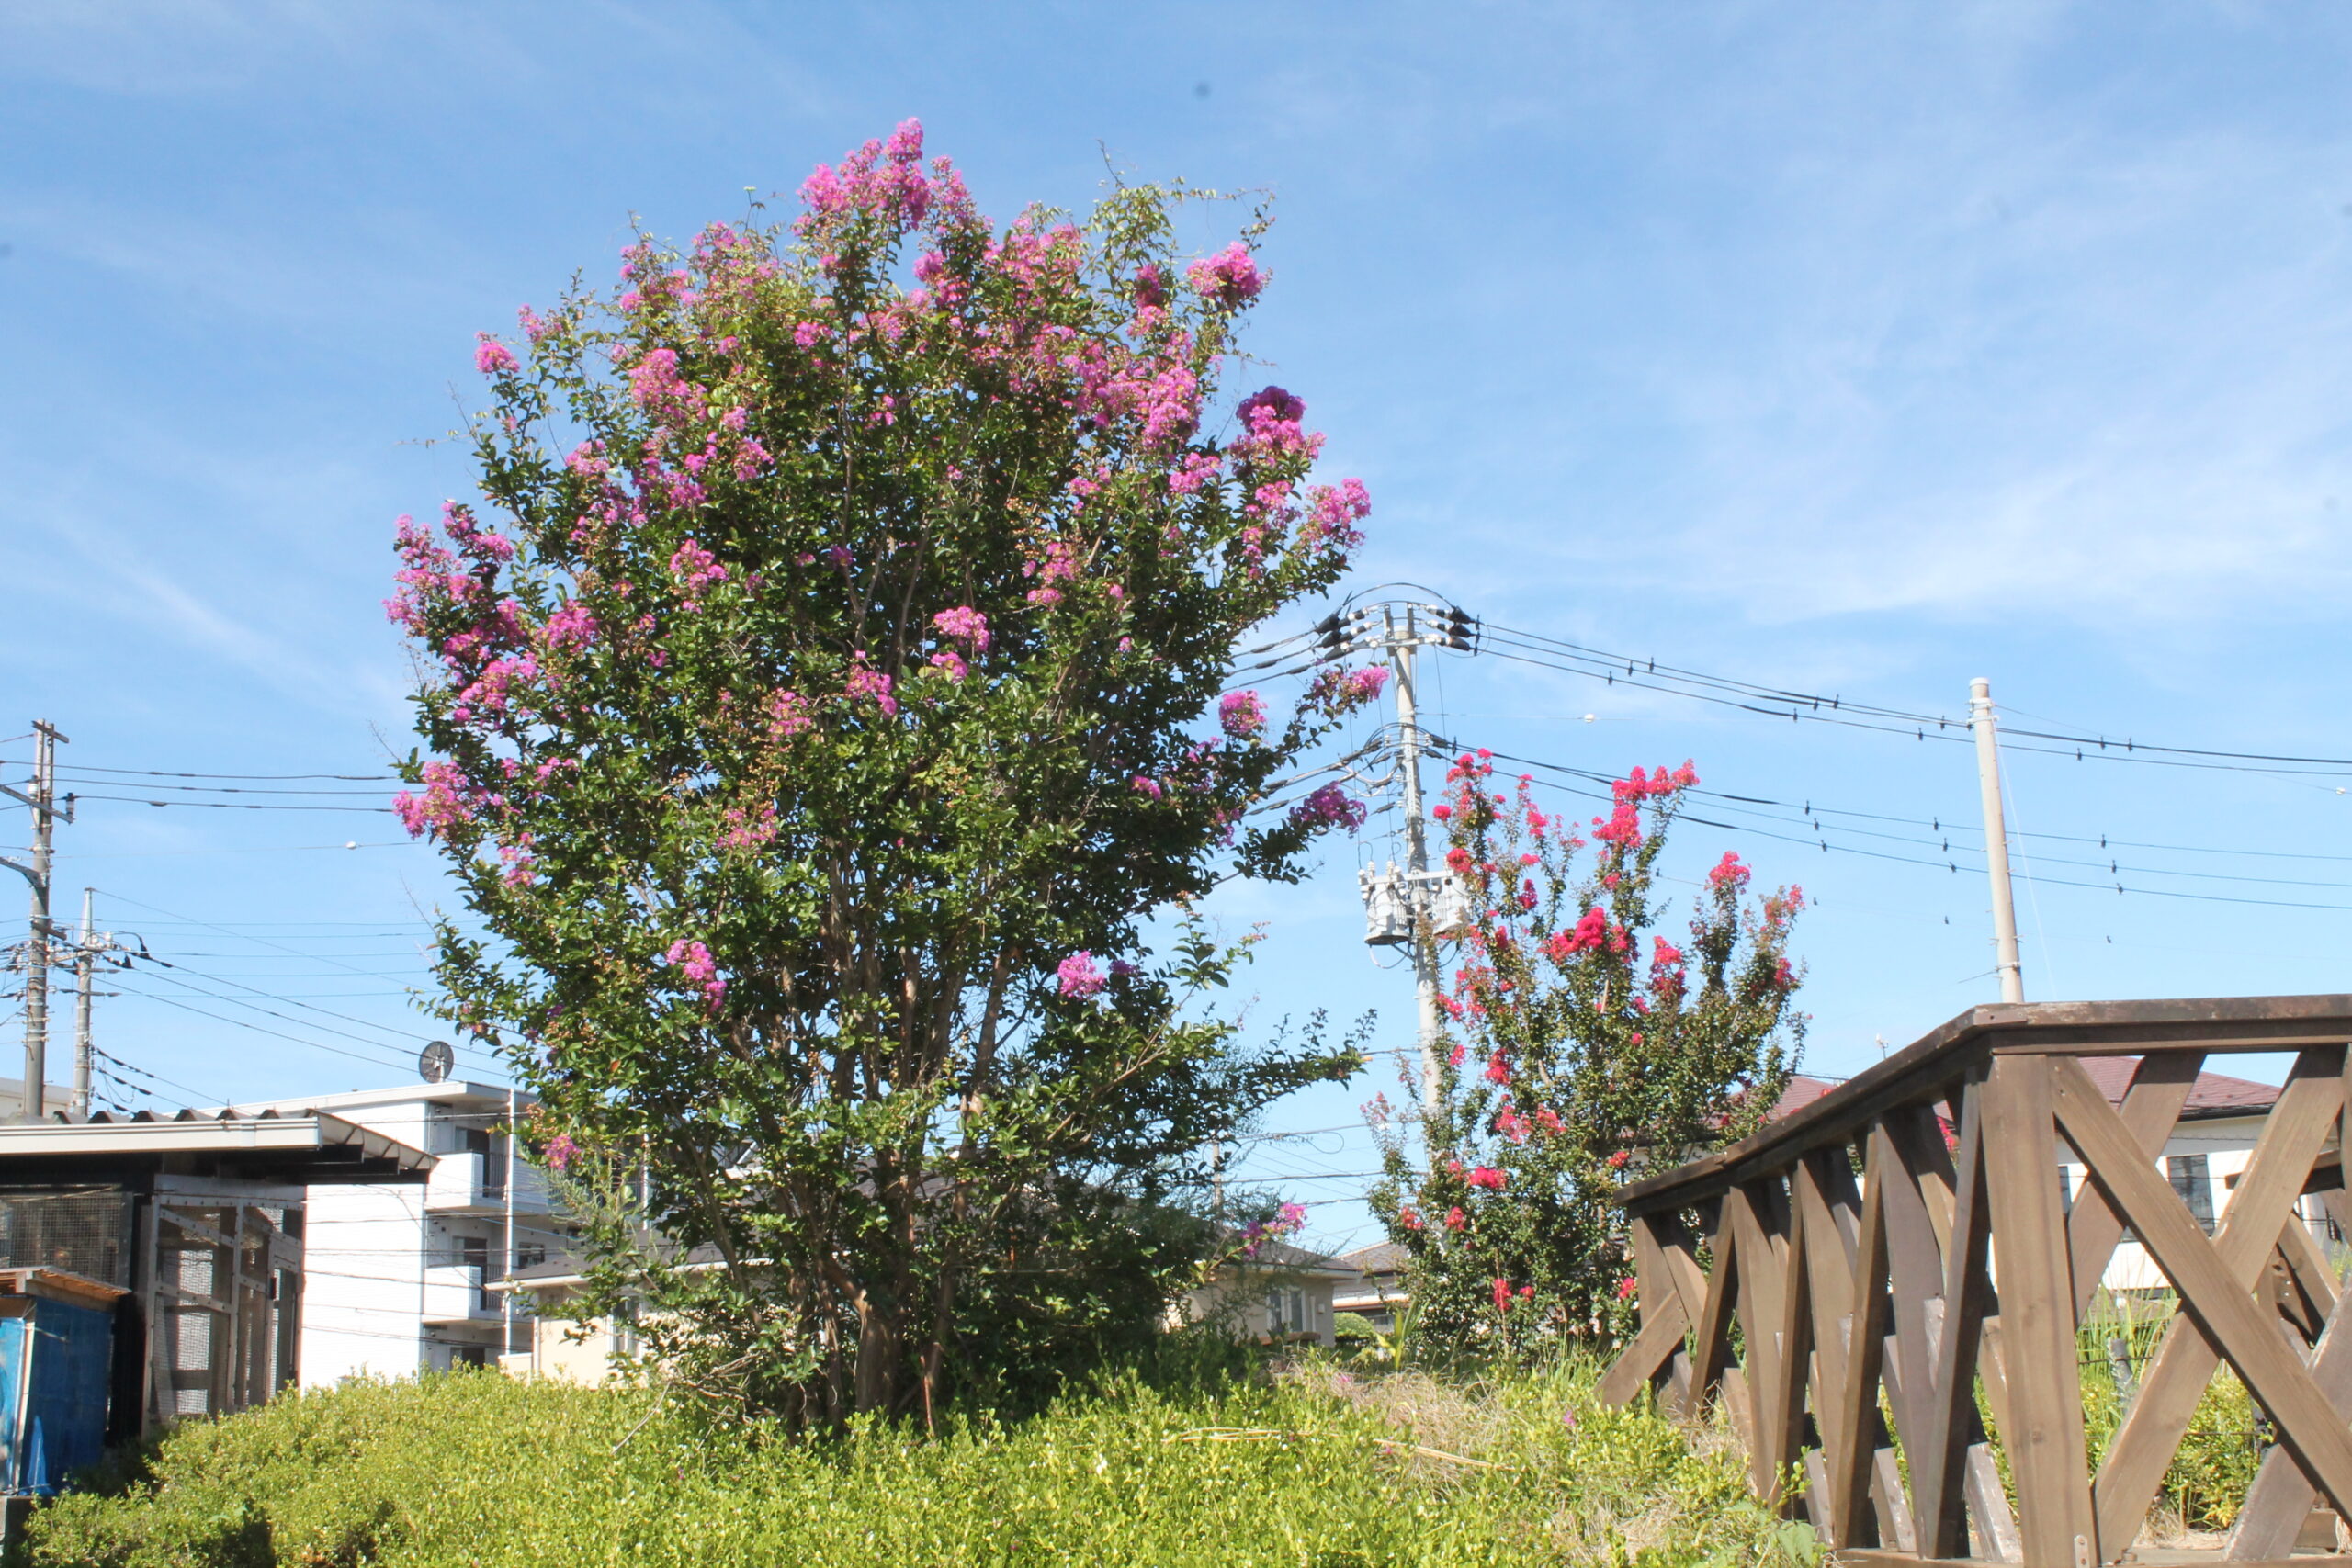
(1857, 348)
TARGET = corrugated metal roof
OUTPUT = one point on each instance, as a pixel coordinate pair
(226, 1132)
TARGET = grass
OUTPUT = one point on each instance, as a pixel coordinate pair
(1320, 1465)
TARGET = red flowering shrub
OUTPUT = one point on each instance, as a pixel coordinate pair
(828, 710)
(1587, 1048)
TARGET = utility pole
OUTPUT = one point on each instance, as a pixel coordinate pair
(43, 802)
(1997, 840)
(506, 1331)
(1416, 855)
(87, 946)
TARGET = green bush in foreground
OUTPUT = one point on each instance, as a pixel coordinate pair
(1320, 1467)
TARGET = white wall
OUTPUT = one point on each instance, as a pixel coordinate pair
(386, 1289)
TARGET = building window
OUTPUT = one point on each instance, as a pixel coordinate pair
(2195, 1184)
(473, 1252)
(1286, 1312)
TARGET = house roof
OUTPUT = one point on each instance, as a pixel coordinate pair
(1297, 1259)
(2214, 1094)
(1380, 1258)
(450, 1091)
(317, 1149)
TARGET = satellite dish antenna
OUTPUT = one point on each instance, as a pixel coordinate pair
(432, 1063)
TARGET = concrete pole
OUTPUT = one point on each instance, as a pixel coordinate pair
(1997, 840)
(85, 960)
(44, 809)
(1400, 643)
(506, 1331)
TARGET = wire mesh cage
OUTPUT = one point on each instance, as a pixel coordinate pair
(84, 1230)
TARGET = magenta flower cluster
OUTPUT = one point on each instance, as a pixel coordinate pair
(1329, 807)
(1241, 713)
(1288, 1220)
(1230, 277)
(694, 964)
(1078, 976)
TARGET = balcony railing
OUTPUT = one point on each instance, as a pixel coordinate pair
(453, 1293)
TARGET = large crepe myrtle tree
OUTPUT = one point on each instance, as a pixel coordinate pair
(1584, 1047)
(824, 707)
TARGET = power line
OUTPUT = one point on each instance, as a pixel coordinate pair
(240, 1023)
(166, 774)
(329, 1013)
(233, 804)
(1806, 706)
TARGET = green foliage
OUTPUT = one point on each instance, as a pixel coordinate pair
(1323, 1467)
(1586, 1047)
(2206, 1481)
(822, 711)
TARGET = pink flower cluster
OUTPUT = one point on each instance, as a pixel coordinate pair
(965, 626)
(1366, 684)
(693, 961)
(1488, 1177)
(1059, 564)
(696, 570)
(868, 685)
(1229, 278)
(1329, 806)
(1333, 512)
(1077, 976)
(1590, 934)
(884, 182)
(560, 1152)
(749, 830)
(1505, 1296)
(1196, 470)
(572, 624)
(448, 800)
(1241, 713)
(492, 357)
(1288, 1220)
(1270, 428)
(1728, 873)
(787, 715)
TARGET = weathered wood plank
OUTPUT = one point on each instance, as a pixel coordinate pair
(2175, 1379)
(2160, 1087)
(1711, 1342)
(1849, 1474)
(1785, 1411)
(1758, 1310)
(1936, 1448)
(1659, 1340)
(2281, 1496)
(2044, 1432)
(2214, 1293)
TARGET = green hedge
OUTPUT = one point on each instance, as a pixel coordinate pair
(1331, 1469)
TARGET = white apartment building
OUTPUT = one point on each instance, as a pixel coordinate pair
(399, 1279)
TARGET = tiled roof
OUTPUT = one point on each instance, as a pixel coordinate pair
(1381, 1257)
(2215, 1094)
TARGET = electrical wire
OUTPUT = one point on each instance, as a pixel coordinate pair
(240, 1023)
(329, 1013)
(166, 774)
(1801, 706)
(233, 804)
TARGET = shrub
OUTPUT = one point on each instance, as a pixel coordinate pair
(1317, 1466)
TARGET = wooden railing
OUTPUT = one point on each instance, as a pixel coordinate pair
(1864, 1281)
